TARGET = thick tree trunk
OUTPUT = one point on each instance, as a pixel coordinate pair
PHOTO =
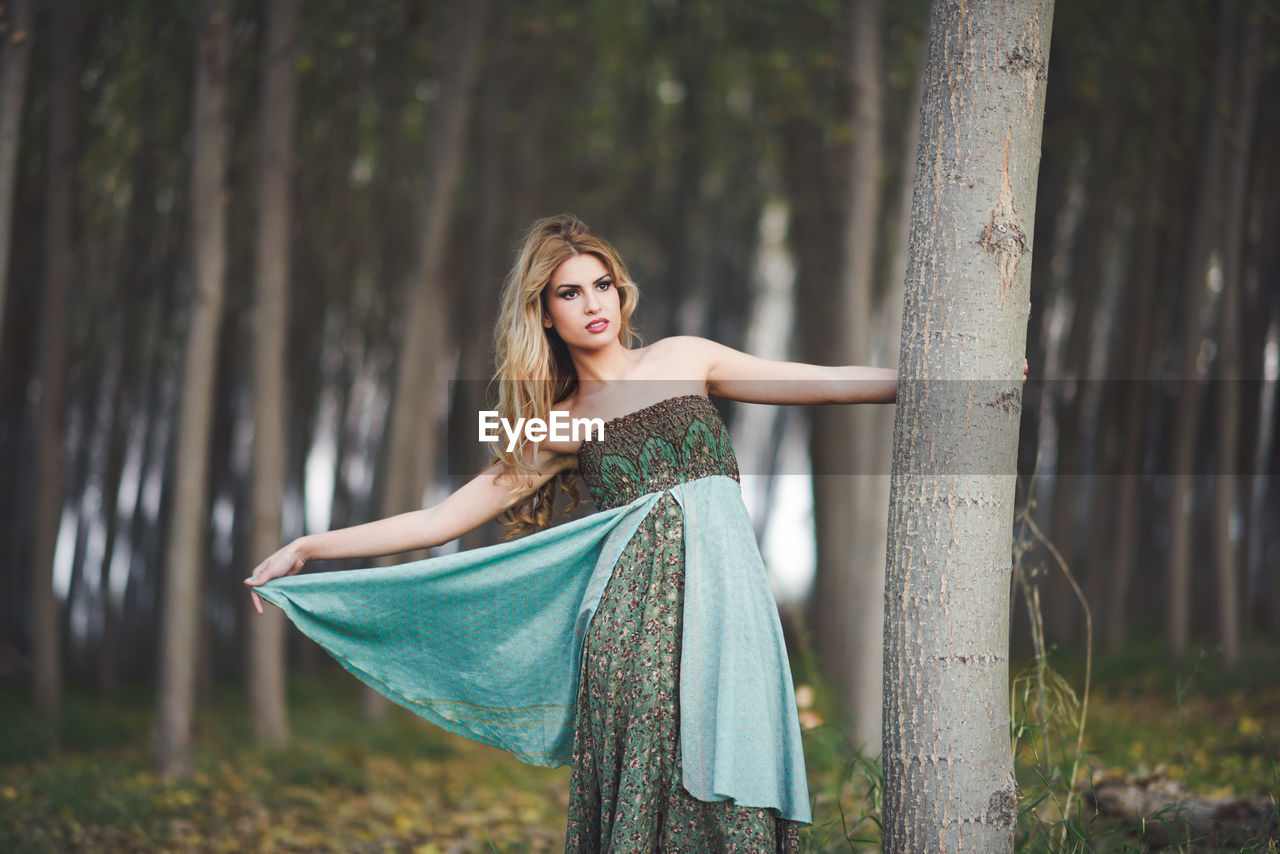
(54, 332)
(266, 650)
(948, 768)
(1227, 483)
(180, 611)
(15, 60)
(1201, 242)
(425, 347)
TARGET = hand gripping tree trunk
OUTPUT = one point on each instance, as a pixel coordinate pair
(948, 766)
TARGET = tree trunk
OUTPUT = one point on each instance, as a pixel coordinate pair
(863, 609)
(948, 767)
(1201, 241)
(54, 333)
(266, 651)
(873, 535)
(15, 60)
(846, 592)
(1227, 483)
(1132, 371)
(476, 323)
(413, 441)
(1067, 481)
(188, 528)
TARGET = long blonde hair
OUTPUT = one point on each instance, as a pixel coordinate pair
(534, 370)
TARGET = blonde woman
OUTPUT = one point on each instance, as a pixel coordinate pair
(641, 642)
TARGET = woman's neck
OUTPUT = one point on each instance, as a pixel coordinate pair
(606, 365)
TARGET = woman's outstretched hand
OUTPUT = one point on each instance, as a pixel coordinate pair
(287, 561)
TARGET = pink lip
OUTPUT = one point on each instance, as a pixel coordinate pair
(598, 325)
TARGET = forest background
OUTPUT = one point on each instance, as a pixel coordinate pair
(325, 228)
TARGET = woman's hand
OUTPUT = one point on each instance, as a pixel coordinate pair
(287, 561)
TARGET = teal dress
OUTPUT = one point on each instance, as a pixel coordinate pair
(641, 643)
(626, 793)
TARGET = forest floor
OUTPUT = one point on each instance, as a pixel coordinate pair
(84, 783)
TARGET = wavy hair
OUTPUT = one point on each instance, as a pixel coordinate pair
(534, 370)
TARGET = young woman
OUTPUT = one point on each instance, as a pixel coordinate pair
(641, 642)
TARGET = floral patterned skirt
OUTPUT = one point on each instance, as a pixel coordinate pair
(625, 794)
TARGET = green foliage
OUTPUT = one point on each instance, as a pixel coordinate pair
(85, 782)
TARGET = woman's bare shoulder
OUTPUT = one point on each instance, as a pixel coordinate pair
(679, 356)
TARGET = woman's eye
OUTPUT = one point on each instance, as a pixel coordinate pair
(605, 285)
(568, 294)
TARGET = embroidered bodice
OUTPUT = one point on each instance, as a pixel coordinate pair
(672, 441)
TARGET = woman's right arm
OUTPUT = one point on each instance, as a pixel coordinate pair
(479, 500)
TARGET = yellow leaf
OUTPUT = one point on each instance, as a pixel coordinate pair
(1249, 726)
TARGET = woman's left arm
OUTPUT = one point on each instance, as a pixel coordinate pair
(741, 376)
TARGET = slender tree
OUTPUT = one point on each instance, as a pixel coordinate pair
(180, 611)
(54, 334)
(424, 345)
(863, 604)
(847, 607)
(1200, 245)
(948, 767)
(15, 60)
(1227, 483)
(266, 660)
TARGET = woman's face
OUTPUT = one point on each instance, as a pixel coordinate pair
(582, 303)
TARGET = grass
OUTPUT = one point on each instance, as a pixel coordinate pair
(84, 782)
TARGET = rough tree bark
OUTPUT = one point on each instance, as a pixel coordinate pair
(54, 333)
(180, 612)
(15, 60)
(266, 650)
(413, 442)
(948, 766)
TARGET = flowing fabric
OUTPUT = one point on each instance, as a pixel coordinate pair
(487, 643)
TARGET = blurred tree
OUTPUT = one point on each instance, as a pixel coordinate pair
(180, 606)
(55, 305)
(266, 648)
(848, 585)
(17, 28)
(426, 347)
(1201, 243)
(1228, 405)
(948, 769)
